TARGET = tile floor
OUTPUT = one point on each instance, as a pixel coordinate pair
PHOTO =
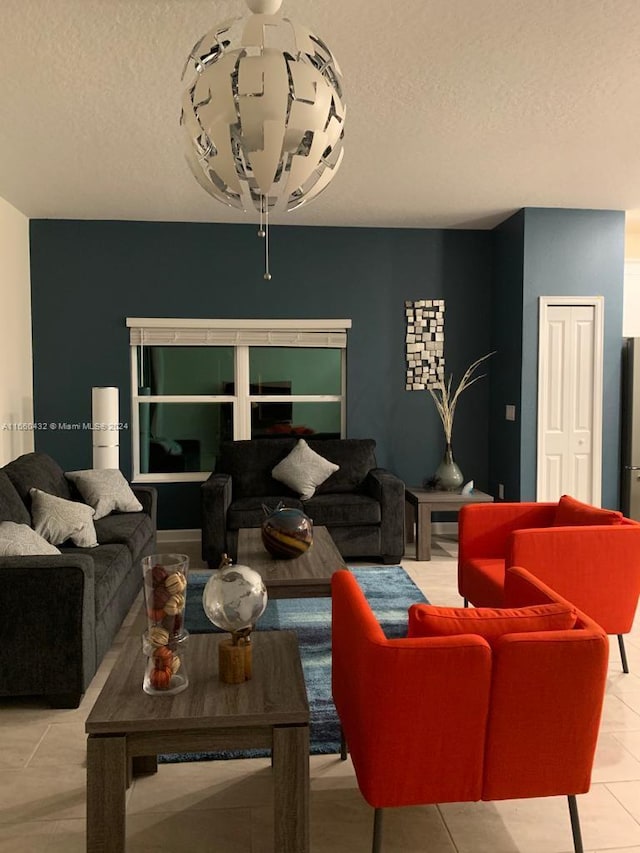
(224, 807)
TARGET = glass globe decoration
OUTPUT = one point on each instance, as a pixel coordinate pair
(287, 532)
(234, 598)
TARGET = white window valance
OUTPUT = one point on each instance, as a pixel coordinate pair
(160, 331)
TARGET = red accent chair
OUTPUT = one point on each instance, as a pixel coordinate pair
(590, 556)
(441, 719)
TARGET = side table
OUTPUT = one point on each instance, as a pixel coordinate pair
(422, 502)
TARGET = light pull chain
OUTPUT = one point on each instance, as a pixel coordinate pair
(267, 274)
(263, 231)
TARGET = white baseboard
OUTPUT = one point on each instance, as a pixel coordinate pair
(179, 536)
(445, 527)
(166, 536)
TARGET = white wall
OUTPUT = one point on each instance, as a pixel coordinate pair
(16, 366)
(631, 304)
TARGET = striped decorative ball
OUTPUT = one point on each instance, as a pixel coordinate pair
(287, 533)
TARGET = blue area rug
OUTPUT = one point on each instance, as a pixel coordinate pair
(389, 591)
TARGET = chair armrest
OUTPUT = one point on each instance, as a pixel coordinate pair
(47, 640)
(483, 529)
(595, 567)
(522, 589)
(148, 497)
(388, 490)
(215, 500)
(537, 678)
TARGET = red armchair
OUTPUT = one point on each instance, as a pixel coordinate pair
(454, 719)
(592, 564)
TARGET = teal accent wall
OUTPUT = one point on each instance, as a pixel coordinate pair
(506, 364)
(550, 252)
(87, 277)
(573, 253)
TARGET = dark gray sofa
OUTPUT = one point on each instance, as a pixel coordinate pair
(361, 505)
(61, 613)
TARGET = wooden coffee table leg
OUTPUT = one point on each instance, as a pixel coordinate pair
(141, 765)
(423, 532)
(106, 785)
(291, 789)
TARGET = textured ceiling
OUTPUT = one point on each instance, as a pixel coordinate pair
(459, 111)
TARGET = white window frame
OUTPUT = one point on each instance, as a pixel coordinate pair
(241, 335)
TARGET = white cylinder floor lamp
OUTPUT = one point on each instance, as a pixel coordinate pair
(105, 427)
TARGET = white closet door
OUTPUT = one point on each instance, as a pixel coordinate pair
(570, 402)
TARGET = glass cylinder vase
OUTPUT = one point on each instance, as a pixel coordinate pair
(166, 668)
(164, 641)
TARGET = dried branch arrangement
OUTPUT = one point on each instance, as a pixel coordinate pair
(446, 403)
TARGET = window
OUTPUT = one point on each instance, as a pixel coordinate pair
(196, 383)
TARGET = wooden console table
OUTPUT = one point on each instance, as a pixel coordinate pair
(422, 502)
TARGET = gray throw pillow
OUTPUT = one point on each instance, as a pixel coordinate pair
(303, 470)
(58, 520)
(20, 540)
(105, 490)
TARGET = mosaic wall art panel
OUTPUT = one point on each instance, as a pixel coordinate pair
(424, 343)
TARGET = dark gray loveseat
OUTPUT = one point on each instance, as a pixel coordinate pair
(60, 614)
(361, 505)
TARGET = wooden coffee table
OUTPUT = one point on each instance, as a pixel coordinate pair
(128, 727)
(422, 502)
(306, 576)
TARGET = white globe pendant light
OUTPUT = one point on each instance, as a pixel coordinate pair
(264, 114)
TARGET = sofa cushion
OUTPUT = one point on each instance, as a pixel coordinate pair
(250, 464)
(249, 512)
(572, 513)
(426, 620)
(355, 458)
(106, 490)
(58, 520)
(303, 470)
(133, 529)
(12, 506)
(38, 471)
(343, 510)
(20, 540)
